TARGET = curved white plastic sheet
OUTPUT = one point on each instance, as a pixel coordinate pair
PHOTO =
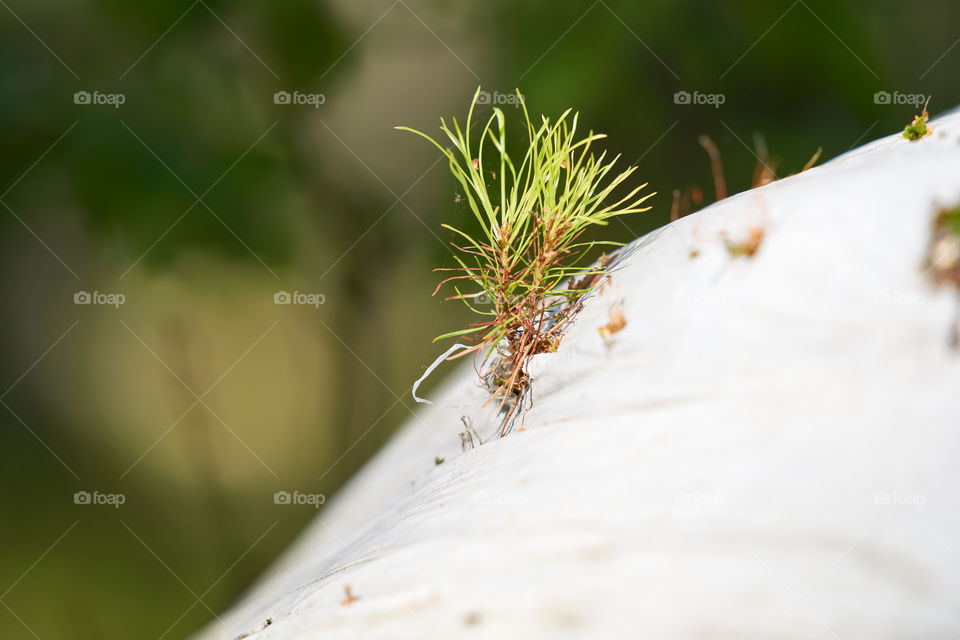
(767, 449)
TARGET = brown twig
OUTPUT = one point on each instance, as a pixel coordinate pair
(716, 166)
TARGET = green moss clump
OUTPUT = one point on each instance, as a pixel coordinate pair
(918, 128)
(951, 220)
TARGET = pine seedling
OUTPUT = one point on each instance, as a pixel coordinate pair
(516, 273)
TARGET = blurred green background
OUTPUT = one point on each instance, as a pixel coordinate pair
(200, 197)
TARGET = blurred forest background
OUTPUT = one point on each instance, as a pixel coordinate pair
(200, 197)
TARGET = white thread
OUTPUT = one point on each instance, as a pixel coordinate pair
(436, 363)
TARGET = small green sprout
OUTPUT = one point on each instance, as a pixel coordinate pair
(531, 217)
(918, 128)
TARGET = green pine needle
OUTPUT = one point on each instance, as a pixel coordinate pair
(531, 216)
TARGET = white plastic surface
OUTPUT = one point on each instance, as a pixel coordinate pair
(770, 448)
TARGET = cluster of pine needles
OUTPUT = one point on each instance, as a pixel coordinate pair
(516, 273)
